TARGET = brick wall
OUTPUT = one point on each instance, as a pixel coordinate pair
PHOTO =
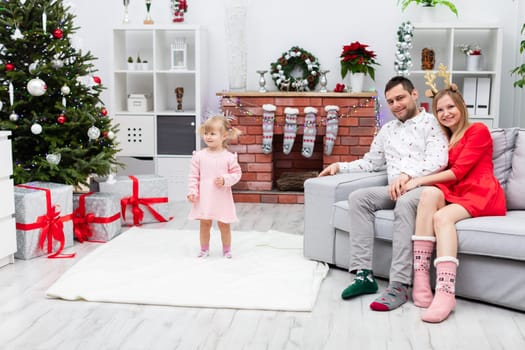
(357, 126)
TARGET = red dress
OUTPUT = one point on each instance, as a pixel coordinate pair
(476, 188)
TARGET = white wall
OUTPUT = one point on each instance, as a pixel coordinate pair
(321, 27)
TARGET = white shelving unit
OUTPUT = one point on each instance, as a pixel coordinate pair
(445, 40)
(7, 205)
(161, 139)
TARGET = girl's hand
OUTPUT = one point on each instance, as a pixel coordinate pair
(191, 198)
(219, 181)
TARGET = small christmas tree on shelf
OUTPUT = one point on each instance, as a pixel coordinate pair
(49, 97)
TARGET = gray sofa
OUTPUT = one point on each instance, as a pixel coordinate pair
(491, 249)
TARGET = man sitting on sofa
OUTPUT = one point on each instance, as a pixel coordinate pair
(409, 146)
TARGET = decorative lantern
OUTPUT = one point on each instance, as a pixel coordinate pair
(179, 51)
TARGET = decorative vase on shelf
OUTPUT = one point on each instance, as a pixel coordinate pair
(473, 62)
(356, 81)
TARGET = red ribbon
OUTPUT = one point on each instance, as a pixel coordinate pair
(82, 221)
(134, 201)
(51, 225)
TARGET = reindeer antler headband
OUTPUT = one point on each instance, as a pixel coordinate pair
(430, 80)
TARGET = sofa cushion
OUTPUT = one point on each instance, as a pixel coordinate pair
(516, 183)
(503, 145)
(495, 236)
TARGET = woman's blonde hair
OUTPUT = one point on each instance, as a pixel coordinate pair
(464, 123)
(224, 125)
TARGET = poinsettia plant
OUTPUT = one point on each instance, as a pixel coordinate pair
(356, 58)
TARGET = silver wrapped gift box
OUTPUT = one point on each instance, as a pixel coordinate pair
(96, 216)
(44, 220)
(143, 198)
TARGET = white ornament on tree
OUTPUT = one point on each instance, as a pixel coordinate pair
(111, 135)
(33, 67)
(36, 128)
(36, 87)
(53, 158)
(93, 133)
(13, 117)
(57, 64)
(65, 90)
(17, 34)
(1, 105)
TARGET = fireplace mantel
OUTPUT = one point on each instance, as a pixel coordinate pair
(357, 127)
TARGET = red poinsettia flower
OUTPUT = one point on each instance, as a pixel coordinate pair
(357, 58)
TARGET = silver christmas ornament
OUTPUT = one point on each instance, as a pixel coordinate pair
(65, 90)
(36, 128)
(36, 87)
(57, 64)
(33, 67)
(13, 117)
(93, 133)
(111, 135)
(53, 158)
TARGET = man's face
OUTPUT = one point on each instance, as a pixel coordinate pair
(402, 104)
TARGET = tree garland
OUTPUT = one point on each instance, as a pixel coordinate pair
(296, 59)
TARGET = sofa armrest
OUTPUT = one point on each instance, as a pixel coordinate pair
(320, 194)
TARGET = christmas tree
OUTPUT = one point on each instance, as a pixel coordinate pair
(49, 96)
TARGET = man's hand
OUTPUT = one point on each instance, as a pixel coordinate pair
(398, 187)
(332, 169)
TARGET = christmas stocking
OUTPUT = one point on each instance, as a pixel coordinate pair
(332, 124)
(268, 119)
(290, 128)
(309, 132)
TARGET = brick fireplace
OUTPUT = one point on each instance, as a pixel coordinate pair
(357, 126)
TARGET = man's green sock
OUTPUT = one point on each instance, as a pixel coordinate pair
(364, 283)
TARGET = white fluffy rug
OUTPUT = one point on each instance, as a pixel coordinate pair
(159, 266)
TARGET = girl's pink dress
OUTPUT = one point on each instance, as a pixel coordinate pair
(213, 202)
(476, 188)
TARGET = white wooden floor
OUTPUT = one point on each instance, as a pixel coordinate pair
(29, 321)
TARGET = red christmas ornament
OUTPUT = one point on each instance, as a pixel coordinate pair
(61, 119)
(105, 134)
(58, 33)
(9, 67)
(104, 112)
(96, 79)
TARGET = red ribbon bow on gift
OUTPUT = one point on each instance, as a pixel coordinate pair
(51, 225)
(83, 221)
(134, 201)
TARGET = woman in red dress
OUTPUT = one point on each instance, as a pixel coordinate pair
(468, 188)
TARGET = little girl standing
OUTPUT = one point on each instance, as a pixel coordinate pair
(212, 173)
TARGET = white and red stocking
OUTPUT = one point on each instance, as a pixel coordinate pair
(267, 126)
(332, 124)
(309, 131)
(290, 128)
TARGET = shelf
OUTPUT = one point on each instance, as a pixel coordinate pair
(445, 41)
(156, 139)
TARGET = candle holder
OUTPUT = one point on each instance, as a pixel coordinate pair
(323, 81)
(262, 81)
(126, 13)
(179, 93)
(148, 19)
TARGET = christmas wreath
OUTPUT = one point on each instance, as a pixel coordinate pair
(291, 61)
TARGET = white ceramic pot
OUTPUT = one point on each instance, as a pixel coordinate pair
(356, 82)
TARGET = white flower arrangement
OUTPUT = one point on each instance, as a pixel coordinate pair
(470, 49)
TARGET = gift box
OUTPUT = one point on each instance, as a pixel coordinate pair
(44, 220)
(96, 216)
(143, 198)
